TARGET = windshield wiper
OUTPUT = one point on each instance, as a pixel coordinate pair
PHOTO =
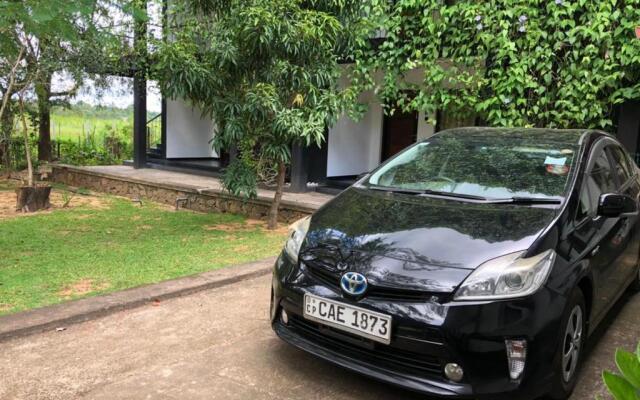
(456, 195)
(427, 192)
(528, 200)
(395, 189)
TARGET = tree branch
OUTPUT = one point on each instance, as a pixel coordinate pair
(69, 92)
(12, 79)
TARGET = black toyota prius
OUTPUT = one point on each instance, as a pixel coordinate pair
(474, 264)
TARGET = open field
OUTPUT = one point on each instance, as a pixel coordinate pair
(73, 127)
(82, 120)
(101, 244)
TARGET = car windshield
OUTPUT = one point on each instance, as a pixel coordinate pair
(483, 166)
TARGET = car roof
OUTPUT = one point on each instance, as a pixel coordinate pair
(573, 136)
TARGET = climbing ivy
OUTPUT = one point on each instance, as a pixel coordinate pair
(552, 63)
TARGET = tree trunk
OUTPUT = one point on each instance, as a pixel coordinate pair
(6, 129)
(25, 133)
(43, 91)
(273, 213)
(33, 198)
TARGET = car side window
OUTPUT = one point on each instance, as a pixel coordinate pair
(621, 167)
(599, 180)
(583, 204)
(631, 163)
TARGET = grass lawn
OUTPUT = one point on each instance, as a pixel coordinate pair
(102, 244)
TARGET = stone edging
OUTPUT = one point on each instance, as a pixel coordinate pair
(198, 200)
(77, 311)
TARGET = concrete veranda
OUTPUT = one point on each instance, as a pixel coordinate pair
(201, 183)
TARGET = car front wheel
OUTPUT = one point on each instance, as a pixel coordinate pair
(570, 348)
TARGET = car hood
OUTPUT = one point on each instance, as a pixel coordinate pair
(410, 242)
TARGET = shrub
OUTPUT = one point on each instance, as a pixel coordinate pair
(109, 146)
(625, 386)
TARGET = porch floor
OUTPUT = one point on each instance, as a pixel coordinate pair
(313, 200)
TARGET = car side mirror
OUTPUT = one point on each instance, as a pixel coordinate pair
(612, 205)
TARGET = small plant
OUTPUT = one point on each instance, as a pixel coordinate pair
(627, 385)
(66, 198)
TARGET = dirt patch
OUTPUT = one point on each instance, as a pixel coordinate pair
(256, 222)
(247, 225)
(241, 248)
(80, 288)
(58, 199)
(224, 227)
(91, 201)
(281, 229)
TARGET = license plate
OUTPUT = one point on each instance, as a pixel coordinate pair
(356, 320)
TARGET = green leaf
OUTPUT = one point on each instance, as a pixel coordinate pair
(619, 387)
(629, 365)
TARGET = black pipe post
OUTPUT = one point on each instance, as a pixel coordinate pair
(140, 90)
(299, 169)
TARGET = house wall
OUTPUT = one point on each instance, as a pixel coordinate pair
(355, 147)
(188, 134)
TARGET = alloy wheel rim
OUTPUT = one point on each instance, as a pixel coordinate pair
(571, 344)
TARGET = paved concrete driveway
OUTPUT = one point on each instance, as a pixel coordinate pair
(212, 345)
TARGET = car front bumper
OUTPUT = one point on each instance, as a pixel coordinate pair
(428, 335)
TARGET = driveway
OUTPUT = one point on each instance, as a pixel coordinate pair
(215, 345)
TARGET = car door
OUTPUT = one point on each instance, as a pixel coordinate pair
(626, 239)
(593, 234)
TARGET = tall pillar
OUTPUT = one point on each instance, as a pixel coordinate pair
(140, 90)
(629, 127)
(299, 170)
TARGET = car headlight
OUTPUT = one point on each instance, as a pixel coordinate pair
(297, 232)
(507, 277)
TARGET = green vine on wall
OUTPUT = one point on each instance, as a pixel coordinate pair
(544, 63)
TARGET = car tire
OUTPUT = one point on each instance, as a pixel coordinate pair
(569, 359)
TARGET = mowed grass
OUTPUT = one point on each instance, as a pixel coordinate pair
(92, 248)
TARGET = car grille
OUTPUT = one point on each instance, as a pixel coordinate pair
(324, 275)
(365, 350)
(331, 278)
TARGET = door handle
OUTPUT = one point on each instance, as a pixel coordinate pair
(595, 251)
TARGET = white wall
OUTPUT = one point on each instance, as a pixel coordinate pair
(188, 134)
(356, 147)
(425, 129)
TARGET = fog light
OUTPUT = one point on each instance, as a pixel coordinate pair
(284, 317)
(517, 356)
(453, 372)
